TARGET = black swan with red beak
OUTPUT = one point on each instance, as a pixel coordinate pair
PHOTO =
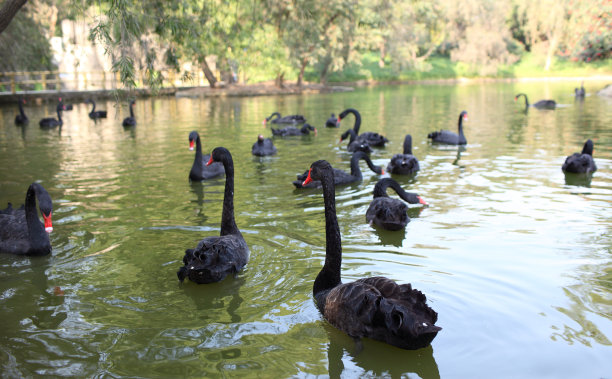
(387, 212)
(21, 231)
(200, 170)
(374, 307)
(450, 138)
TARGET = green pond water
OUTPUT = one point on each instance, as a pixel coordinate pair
(516, 261)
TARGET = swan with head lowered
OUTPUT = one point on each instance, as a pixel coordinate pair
(50, 122)
(21, 231)
(355, 144)
(263, 147)
(375, 307)
(94, 114)
(387, 212)
(276, 118)
(21, 118)
(342, 177)
(406, 163)
(373, 139)
(581, 163)
(332, 121)
(217, 256)
(542, 104)
(200, 170)
(293, 131)
(450, 138)
(131, 120)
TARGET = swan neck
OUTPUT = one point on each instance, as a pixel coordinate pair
(357, 124)
(329, 276)
(228, 223)
(36, 229)
(131, 110)
(408, 145)
(355, 170)
(21, 112)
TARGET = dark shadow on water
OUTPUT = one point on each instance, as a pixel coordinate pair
(198, 189)
(582, 180)
(377, 359)
(458, 157)
(393, 238)
(210, 298)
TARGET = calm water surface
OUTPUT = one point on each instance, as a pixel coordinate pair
(516, 261)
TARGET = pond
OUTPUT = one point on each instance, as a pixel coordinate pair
(516, 261)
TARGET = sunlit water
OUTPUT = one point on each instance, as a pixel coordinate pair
(516, 262)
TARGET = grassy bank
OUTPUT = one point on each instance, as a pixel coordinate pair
(529, 66)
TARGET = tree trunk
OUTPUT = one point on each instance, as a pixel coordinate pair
(280, 79)
(208, 72)
(551, 51)
(381, 61)
(8, 11)
(300, 80)
(323, 75)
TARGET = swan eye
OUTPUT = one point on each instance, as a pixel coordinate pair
(424, 324)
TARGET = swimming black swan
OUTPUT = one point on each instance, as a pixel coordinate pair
(404, 164)
(342, 177)
(276, 118)
(332, 121)
(263, 147)
(375, 307)
(51, 122)
(373, 139)
(21, 232)
(200, 170)
(542, 104)
(293, 131)
(21, 118)
(354, 144)
(94, 113)
(217, 256)
(130, 121)
(580, 92)
(581, 163)
(387, 212)
(448, 137)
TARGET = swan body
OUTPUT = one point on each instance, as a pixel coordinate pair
(342, 177)
(332, 121)
(50, 122)
(130, 121)
(263, 146)
(21, 118)
(450, 138)
(276, 118)
(293, 131)
(200, 170)
(373, 139)
(21, 232)
(406, 163)
(374, 307)
(581, 163)
(389, 213)
(354, 144)
(217, 256)
(94, 113)
(542, 104)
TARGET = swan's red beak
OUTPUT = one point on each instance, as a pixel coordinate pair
(340, 141)
(315, 131)
(48, 223)
(190, 145)
(265, 121)
(308, 179)
(210, 161)
(382, 171)
(515, 98)
(422, 201)
(465, 118)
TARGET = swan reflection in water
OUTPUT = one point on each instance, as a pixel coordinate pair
(212, 300)
(377, 359)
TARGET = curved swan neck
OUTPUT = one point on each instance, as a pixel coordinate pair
(36, 229)
(228, 223)
(21, 112)
(93, 103)
(588, 148)
(329, 276)
(351, 133)
(132, 109)
(357, 124)
(526, 100)
(408, 144)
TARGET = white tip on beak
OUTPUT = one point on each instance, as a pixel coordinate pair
(49, 229)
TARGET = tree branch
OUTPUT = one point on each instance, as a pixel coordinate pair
(8, 11)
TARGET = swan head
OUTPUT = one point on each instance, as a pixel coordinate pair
(48, 222)
(193, 136)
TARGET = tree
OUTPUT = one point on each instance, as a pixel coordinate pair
(8, 11)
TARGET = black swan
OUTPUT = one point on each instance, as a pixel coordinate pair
(94, 113)
(404, 164)
(21, 232)
(263, 147)
(21, 118)
(276, 118)
(354, 144)
(217, 256)
(373, 139)
(51, 122)
(130, 121)
(293, 131)
(375, 307)
(332, 121)
(580, 92)
(581, 163)
(448, 137)
(342, 177)
(542, 104)
(200, 170)
(387, 212)
(65, 107)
